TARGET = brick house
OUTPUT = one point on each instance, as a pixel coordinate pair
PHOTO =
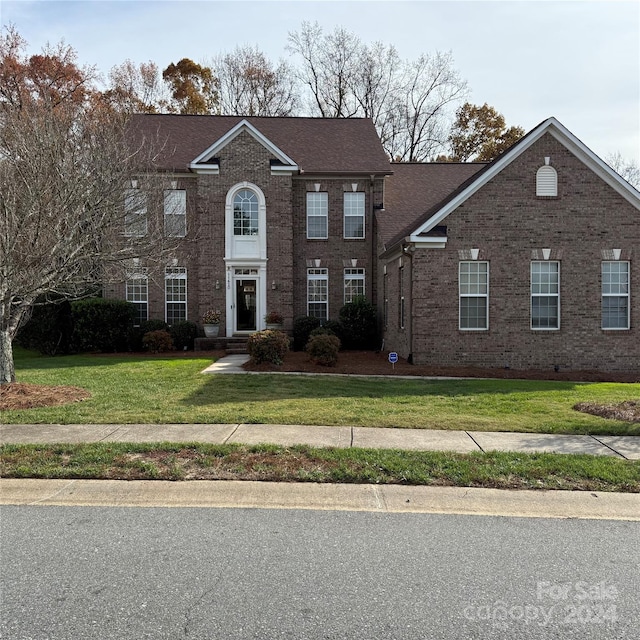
(532, 260)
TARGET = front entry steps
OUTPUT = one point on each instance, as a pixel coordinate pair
(232, 345)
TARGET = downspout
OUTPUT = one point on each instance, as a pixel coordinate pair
(374, 263)
(407, 250)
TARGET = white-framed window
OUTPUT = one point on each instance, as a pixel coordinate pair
(401, 309)
(175, 213)
(317, 215)
(354, 215)
(615, 294)
(545, 294)
(245, 213)
(473, 291)
(137, 286)
(318, 293)
(175, 287)
(135, 213)
(353, 284)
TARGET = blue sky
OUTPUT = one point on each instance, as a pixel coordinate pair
(576, 60)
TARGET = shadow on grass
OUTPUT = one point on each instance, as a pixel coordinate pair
(220, 388)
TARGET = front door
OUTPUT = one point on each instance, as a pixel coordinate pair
(246, 304)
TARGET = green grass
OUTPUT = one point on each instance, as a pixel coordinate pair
(172, 390)
(169, 461)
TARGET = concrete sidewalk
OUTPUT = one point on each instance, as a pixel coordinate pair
(627, 447)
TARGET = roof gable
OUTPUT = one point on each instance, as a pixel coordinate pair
(552, 126)
(203, 161)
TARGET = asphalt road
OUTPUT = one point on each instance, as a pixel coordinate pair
(81, 573)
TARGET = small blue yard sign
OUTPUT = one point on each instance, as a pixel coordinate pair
(393, 358)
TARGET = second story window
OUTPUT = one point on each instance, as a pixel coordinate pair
(354, 215)
(245, 213)
(317, 215)
(135, 213)
(175, 213)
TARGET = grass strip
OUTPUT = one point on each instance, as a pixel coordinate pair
(197, 461)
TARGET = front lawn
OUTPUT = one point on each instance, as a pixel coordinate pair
(172, 390)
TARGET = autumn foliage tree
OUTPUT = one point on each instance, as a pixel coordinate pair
(193, 87)
(64, 166)
(480, 134)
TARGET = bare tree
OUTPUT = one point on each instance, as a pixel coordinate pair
(249, 84)
(65, 166)
(628, 169)
(410, 102)
(329, 68)
(137, 88)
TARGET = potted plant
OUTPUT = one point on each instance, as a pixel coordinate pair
(274, 320)
(211, 323)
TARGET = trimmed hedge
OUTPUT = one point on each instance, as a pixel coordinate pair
(323, 349)
(268, 346)
(302, 328)
(359, 320)
(101, 325)
(49, 328)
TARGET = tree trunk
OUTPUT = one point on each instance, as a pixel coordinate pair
(7, 369)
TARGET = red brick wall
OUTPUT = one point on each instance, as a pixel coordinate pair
(510, 225)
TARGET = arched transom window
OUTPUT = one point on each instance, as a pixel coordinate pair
(245, 213)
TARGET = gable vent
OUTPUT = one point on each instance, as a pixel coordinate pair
(546, 181)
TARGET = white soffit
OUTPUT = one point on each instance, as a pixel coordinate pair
(566, 138)
(200, 163)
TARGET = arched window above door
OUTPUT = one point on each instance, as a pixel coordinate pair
(245, 213)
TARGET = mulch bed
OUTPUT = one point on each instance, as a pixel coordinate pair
(20, 395)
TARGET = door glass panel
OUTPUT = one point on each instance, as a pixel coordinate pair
(246, 305)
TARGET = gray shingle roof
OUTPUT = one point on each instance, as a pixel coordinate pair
(317, 145)
(414, 189)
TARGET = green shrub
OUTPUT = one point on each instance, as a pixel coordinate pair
(331, 328)
(137, 333)
(360, 324)
(302, 328)
(101, 325)
(268, 346)
(157, 341)
(323, 349)
(183, 334)
(49, 329)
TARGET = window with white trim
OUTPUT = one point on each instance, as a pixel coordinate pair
(354, 215)
(137, 286)
(474, 295)
(353, 284)
(545, 294)
(245, 213)
(317, 215)
(318, 293)
(135, 213)
(175, 213)
(615, 295)
(175, 287)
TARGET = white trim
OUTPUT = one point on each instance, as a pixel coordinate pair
(461, 295)
(626, 295)
(197, 164)
(543, 295)
(261, 253)
(566, 138)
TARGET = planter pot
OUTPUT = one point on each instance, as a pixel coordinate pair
(211, 330)
(274, 327)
